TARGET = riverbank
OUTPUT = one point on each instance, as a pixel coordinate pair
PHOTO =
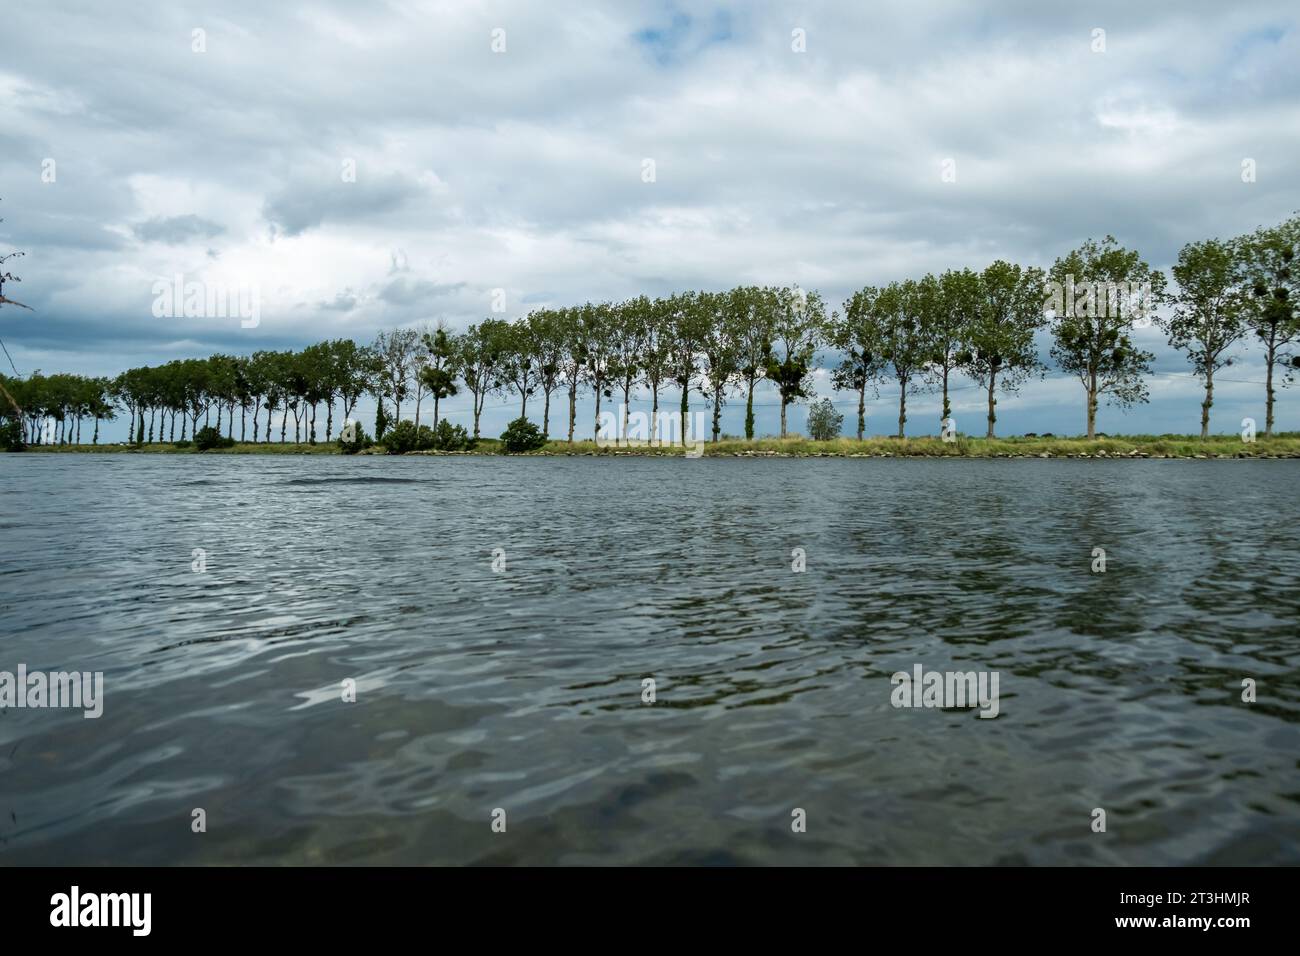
(1284, 445)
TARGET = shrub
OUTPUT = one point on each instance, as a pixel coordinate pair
(522, 435)
(449, 437)
(183, 443)
(11, 436)
(353, 438)
(209, 437)
(401, 438)
(824, 421)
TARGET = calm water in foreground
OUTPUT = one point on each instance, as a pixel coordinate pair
(521, 690)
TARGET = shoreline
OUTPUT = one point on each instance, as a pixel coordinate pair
(1163, 447)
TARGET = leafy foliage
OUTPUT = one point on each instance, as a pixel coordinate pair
(449, 437)
(11, 436)
(824, 421)
(521, 435)
(209, 437)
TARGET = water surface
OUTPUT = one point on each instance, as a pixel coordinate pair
(522, 689)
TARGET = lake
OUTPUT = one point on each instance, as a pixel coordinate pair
(497, 619)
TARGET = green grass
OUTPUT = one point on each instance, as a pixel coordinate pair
(1284, 444)
(167, 448)
(1169, 446)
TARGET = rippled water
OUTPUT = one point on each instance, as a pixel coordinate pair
(521, 690)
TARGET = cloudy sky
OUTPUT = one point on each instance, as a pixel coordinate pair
(521, 169)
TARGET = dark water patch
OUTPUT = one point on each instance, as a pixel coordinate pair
(356, 480)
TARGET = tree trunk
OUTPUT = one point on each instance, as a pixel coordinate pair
(947, 408)
(654, 413)
(717, 414)
(627, 400)
(573, 409)
(902, 405)
(1205, 405)
(1092, 406)
(686, 412)
(329, 420)
(284, 423)
(435, 411)
(862, 410)
(1268, 391)
(783, 405)
(992, 402)
(95, 440)
(749, 410)
(546, 414)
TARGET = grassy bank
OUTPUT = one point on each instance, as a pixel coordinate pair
(166, 448)
(1284, 445)
(1127, 446)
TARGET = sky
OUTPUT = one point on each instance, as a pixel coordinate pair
(368, 166)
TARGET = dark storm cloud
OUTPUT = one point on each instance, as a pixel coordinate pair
(405, 291)
(303, 206)
(175, 229)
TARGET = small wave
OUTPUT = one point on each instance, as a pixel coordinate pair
(355, 480)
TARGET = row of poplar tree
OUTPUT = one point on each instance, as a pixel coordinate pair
(917, 334)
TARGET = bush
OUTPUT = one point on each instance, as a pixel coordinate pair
(11, 437)
(449, 437)
(209, 437)
(183, 443)
(824, 421)
(522, 435)
(401, 438)
(353, 438)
